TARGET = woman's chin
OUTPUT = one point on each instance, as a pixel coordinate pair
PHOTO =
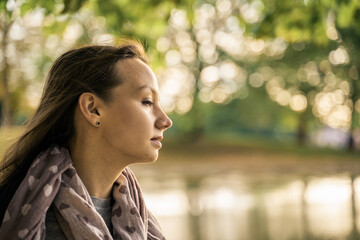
(151, 158)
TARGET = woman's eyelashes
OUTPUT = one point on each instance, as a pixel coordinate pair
(147, 102)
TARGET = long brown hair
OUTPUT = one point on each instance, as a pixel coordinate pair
(86, 69)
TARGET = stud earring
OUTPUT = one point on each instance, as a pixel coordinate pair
(97, 123)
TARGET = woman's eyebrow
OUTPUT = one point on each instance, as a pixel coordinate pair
(155, 93)
(147, 87)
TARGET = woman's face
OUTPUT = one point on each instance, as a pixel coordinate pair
(133, 123)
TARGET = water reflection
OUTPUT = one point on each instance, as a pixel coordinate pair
(235, 206)
(329, 207)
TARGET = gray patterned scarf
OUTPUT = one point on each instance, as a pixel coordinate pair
(52, 180)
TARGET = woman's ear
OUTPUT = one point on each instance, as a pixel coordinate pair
(89, 104)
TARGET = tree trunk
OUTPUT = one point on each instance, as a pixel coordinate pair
(351, 141)
(351, 146)
(351, 40)
(196, 113)
(5, 115)
(301, 130)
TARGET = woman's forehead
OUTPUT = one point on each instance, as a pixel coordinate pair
(136, 74)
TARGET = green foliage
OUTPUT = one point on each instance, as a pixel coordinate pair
(348, 15)
(306, 20)
(145, 20)
(3, 6)
(53, 7)
(72, 6)
(294, 21)
(3, 10)
(298, 22)
(48, 6)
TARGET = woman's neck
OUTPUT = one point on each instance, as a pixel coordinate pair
(94, 167)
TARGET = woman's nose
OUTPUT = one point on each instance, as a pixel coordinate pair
(163, 122)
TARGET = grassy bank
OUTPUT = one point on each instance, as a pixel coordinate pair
(223, 154)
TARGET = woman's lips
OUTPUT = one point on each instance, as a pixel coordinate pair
(156, 141)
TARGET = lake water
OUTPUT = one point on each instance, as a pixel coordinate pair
(233, 205)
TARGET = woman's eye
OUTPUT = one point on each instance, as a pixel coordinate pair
(147, 102)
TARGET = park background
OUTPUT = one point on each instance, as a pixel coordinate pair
(264, 96)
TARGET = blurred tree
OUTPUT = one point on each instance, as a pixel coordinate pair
(65, 24)
(210, 59)
(296, 80)
(294, 49)
(334, 25)
(12, 15)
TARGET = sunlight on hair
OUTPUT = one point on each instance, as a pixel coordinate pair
(103, 39)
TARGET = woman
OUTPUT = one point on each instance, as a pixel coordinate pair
(67, 176)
